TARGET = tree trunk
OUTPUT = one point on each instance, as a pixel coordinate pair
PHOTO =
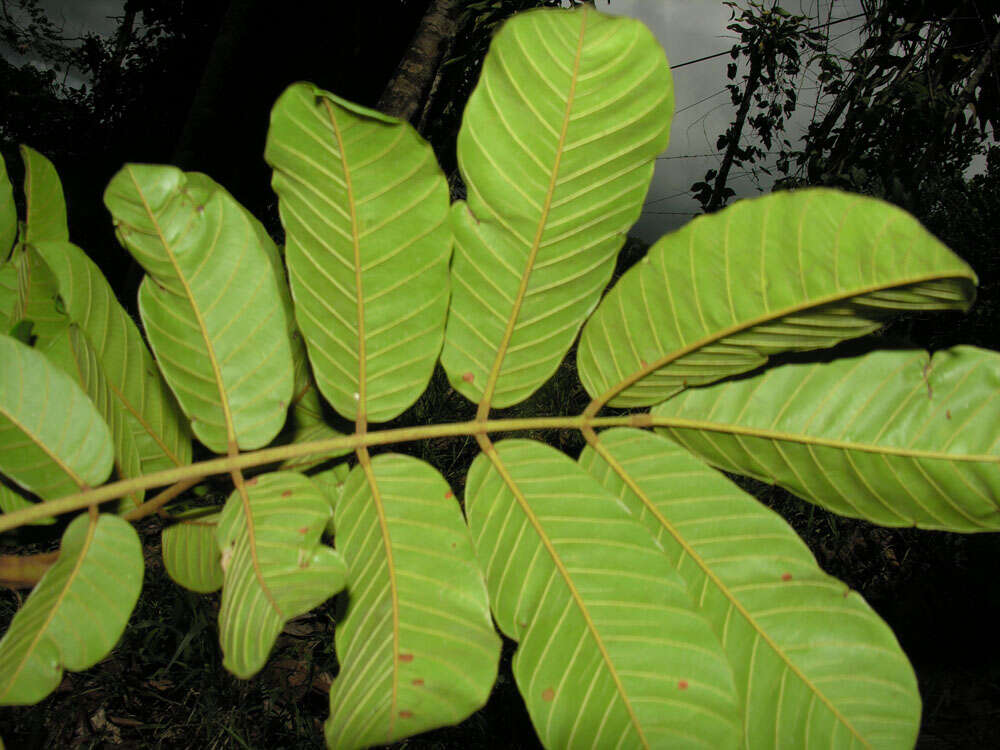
(753, 80)
(413, 78)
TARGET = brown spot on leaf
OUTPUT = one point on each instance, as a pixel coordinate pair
(682, 684)
(303, 529)
(251, 482)
(406, 657)
(448, 495)
(405, 714)
(468, 377)
(418, 682)
(947, 413)
(644, 363)
(286, 493)
(548, 694)
(786, 576)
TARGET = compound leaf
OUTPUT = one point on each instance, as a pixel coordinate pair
(210, 303)
(549, 201)
(612, 652)
(786, 272)
(275, 566)
(364, 205)
(77, 611)
(152, 415)
(896, 437)
(815, 666)
(53, 441)
(417, 647)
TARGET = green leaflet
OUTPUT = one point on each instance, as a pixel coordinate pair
(786, 272)
(8, 295)
(417, 646)
(8, 218)
(151, 414)
(549, 199)
(77, 611)
(814, 665)
(210, 303)
(37, 297)
(364, 205)
(612, 652)
(191, 553)
(11, 499)
(274, 565)
(45, 206)
(53, 441)
(896, 437)
(72, 352)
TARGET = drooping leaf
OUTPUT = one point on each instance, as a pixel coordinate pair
(814, 665)
(549, 201)
(417, 646)
(897, 437)
(72, 352)
(8, 216)
(612, 652)
(77, 611)
(210, 303)
(45, 206)
(191, 553)
(332, 482)
(275, 566)
(787, 272)
(364, 205)
(152, 415)
(52, 439)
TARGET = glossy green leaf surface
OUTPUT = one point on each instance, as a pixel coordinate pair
(275, 566)
(160, 431)
(417, 646)
(8, 215)
(72, 352)
(786, 272)
(549, 201)
(210, 303)
(815, 666)
(897, 437)
(612, 652)
(53, 441)
(77, 611)
(191, 553)
(45, 206)
(364, 206)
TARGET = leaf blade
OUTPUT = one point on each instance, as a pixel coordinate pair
(794, 271)
(548, 205)
(896, 437)
(813, 662)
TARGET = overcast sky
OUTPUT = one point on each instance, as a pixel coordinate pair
(687, 29)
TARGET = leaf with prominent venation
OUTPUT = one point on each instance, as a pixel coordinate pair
(8, 216)
(53, 441)
(71, 351)
(897, 437)
(787, 272)
(191, 554)
(77, 611)
(45, 206)
(152, 415)
(814, 665)
(37, 296)
(364, 205)
(612, 652)
(210, 303)
(549, 202)
(417, 648)
(275, 566)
